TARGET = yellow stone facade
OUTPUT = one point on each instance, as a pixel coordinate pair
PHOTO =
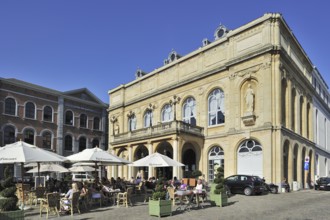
(264, 79)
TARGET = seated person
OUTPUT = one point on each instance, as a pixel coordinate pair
(285, 185)
(68, 196)
(183, 186)
(176, 183)
(199, 185)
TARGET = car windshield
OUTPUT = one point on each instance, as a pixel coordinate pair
(257, 178)
(324, 180)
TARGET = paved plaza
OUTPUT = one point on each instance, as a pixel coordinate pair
(305, 204)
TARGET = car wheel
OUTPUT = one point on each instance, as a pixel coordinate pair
(274, 190)
(248, 191)
(227, 191)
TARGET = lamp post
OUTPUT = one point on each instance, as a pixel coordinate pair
(173, 102)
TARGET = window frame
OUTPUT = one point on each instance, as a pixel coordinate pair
(212, 100)
(66, 118)
(10, 108)
(30, 110)
(48, 115)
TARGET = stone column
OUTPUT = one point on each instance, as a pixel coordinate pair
(114, 169)
(289, 105)
(60, 118)
(175, 155)
(299, 168)
(130, 158)
(150, 169)
(290, 164)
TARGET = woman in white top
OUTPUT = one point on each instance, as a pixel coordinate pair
(69, 195)
(199, 185)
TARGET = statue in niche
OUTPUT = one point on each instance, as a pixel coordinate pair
(116, 128)
(249, 99)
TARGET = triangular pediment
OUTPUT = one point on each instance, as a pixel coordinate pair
(83, 94)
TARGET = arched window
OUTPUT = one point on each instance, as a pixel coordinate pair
(189, 111)
(68, 118)
(96, 123)
(10, 106)
(96, 143)
(9, 135)
(29, 136)
(216, 107)
(250, 158)
(132, 122)
(47, 140)
(82, 143)
(216, 159)
(68, 143)
(147, 119)
(30, 110)
(83, 121)
(48, 113)
(167, 114)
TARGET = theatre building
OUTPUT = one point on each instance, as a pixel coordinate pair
(243, 101)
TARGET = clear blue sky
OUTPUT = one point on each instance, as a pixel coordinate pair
(99, 44)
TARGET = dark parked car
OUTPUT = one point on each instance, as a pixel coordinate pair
(323, 183)
(245, 184)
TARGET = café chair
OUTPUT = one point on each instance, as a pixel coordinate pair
(172, 195)
(125, 197)
(52, 202)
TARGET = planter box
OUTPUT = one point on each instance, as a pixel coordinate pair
(218, 199)
(160, 207)
(10, 215)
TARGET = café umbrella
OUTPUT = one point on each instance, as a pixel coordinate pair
(97, 156)
(52, 167)
(156, 160)
(22, 152)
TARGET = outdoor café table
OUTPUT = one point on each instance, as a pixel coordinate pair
(198, 194)
(188, 194)
(112, 194)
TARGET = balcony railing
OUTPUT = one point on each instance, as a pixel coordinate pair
(161, 129)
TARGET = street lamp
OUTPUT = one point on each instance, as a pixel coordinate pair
(176, 100)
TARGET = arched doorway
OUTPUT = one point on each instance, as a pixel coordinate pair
(165, 172)
(141, 152)
(286, 160)
(249, 158)
(216, 158)
(189, 160)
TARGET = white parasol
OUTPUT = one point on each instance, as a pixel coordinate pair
(49, 168)
(156, 160)
(21, 152)
(97, 156)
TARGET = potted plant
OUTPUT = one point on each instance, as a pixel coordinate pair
(158, 205)
(196, 174)
(8, 199)
(218, 194)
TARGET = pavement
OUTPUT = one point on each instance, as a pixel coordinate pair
(266, 206)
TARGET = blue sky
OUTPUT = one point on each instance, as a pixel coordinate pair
(99, 44)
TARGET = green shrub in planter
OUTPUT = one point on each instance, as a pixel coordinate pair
(219, 194)
(158, 206)
(8, 199)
